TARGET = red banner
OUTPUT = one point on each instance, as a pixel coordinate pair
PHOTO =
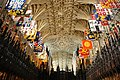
(87, 44)
(84, 52)
(110, 4)
(104, 23)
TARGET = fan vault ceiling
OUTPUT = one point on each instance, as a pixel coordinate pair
(62, 23)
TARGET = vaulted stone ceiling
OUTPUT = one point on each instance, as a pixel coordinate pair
(62, 23)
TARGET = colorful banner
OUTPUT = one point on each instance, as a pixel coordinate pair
(111, 4)
(102, 13)
(83, 52)
(20, 21)
(15, 4)
(105, 23)
(38, 37)
(94, 16)
(16, 12)
(36, 44)
(87, 44)
(38, 47)
(91, 36)
(92, 24)
(27, 26)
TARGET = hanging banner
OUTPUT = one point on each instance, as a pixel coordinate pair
(27, 26)
(101, 28)
(38, 37)
(38, 47)
(15, 4)
(31, 44)
(87, 44)
(16, 19)
(93, 17)
(20, 21)
(16, 12)
(103, 13)
(105, 23)
(92, 24)
(36, 43)
(111, 4)
(91, 36)
(12, 13)
(96, 26)
(83, 52)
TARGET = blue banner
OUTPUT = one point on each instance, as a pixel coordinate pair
(15, 4)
